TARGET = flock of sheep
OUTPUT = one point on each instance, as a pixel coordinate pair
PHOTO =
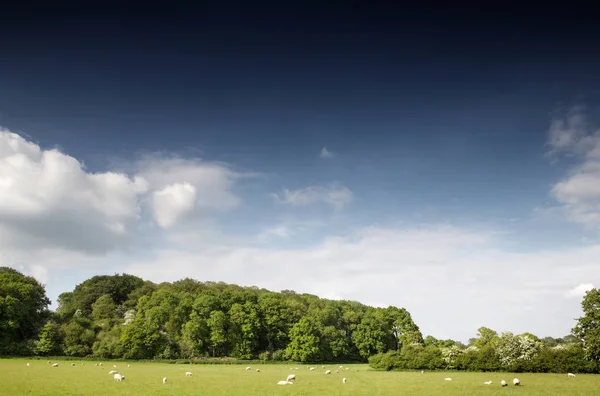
(292, 377)
(288, 381)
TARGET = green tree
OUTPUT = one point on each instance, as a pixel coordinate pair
(217, 323)
(104, 308)
(23, 309)
(305, 340)
(49, 343)
(587, 329)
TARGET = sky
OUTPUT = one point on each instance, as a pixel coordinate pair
(443, 161)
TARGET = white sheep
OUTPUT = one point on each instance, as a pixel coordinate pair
(248, 368)
(72, 364)
(55, 365)
(503, 383)
(422, 371)
(129, 365)
(27, 365)
(114, 366)
(570, 375)
(113, 372)
(488, 382)
(258, 370)
(344, 380)
(164, 380)
(285, 383)
(291, 377)
(100, 364)
(337, 371)
(312, 369)
(119, 377)
(328, 372)
(447, 379)
(188, 374)
(516, 382)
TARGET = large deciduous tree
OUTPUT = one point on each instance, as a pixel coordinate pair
(588, 326)
(23, 309)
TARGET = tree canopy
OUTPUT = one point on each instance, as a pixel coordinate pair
(23, 309)
(124, 316)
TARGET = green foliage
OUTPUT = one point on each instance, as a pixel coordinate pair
(49, 343)
(23, 310)
(588, 326)
(122, 316)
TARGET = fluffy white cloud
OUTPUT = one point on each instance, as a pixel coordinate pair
(336, 195)
(579, 192)
(187, 187)
(580, 290)
(326, 153)
(172, 203)
(47, 198)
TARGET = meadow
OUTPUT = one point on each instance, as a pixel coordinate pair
(145, 378)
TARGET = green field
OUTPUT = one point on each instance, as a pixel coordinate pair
(146, 379)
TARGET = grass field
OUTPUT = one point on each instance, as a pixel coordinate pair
(146, 379)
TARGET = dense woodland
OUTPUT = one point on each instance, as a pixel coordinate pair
(125, 317)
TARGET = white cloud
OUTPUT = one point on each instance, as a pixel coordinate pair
(48, 198)
(172, 203)
(579, 290)
(326, 153)
(336, 195)
(579, 192)
(187, 187)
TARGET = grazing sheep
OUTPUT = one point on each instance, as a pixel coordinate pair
(570, 375)
(291, 377)
(516, 382)
(337, 371)
(49, 362)
(346, 368)
(248, 368)
(119, 377)
(114, 366)
(344, 380)
(27, 365)
(55, 365)
(296, 368)
(188, 374)
(164, 380)
(312, 369)
(113, 372)
(285, 383)
(488, 382)
(503, 383)
(100, 364)
(447, 379)
(129, 365)
(96, 364)
(258, 370)
(72, 364)
(328, 372)
(422, 371)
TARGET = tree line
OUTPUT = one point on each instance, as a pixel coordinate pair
(123, 316)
